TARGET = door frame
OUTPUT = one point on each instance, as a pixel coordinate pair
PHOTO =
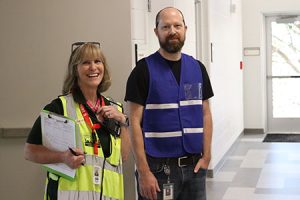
(275, 125)
(202, 36)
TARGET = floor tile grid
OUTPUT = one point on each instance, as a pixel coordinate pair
(257, 170)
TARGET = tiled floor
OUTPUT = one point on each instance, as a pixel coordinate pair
(258, 171)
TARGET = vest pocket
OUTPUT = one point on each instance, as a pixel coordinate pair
(115, 157)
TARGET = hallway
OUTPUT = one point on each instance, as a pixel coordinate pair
(254, 170)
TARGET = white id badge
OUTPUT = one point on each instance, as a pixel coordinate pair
(168, 191)
(97, 175)
(193, 91)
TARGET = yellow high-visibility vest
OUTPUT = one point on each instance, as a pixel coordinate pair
(83, 187)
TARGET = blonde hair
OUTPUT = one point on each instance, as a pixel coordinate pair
(87, 51)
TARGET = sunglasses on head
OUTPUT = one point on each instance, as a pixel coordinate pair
(78, 44)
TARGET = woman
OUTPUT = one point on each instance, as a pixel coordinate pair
(103, 130)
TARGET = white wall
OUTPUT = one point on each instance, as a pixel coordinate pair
(188, 9)
(255, 66)
(143, 24)
(226, 77)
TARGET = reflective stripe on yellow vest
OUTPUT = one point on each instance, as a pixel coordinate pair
(83, 187)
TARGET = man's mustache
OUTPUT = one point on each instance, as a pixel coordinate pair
(172, 37)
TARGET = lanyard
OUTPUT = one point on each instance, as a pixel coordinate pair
(88, 121)
(94, 108)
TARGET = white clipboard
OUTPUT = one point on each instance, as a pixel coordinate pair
(58, 133)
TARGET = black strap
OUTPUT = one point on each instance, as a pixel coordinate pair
(52, 188)
(102, 133)
(101, 189)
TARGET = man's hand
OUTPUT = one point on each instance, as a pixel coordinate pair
(148, 185)
(202, 163)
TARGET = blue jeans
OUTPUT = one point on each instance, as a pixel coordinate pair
(187, 184)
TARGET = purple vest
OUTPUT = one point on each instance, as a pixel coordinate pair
(173, 117)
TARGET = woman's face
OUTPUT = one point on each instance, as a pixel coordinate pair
(90, 73)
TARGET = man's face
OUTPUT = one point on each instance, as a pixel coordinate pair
(171, 30)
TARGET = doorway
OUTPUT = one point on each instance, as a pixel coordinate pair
(283, 74)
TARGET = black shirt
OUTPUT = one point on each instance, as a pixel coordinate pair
(138, 82)
(35, 135)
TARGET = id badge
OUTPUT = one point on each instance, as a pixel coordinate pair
(168, 191)
(193, 91)
(97, 175)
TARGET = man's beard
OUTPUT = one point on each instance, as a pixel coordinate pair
(172, 47)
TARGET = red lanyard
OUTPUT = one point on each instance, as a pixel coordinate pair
(88, 121)
(94, 108)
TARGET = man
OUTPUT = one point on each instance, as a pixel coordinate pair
(170, 117)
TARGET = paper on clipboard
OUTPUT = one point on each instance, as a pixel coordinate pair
(58, 133)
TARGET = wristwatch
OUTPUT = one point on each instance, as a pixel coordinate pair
(126, 123)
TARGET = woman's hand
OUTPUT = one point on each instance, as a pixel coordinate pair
(74, 160)
(112, 113)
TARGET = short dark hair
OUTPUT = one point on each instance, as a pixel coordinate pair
(157, 18)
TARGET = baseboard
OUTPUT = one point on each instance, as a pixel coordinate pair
(14, 132)
(212, 172)
(253, 131)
